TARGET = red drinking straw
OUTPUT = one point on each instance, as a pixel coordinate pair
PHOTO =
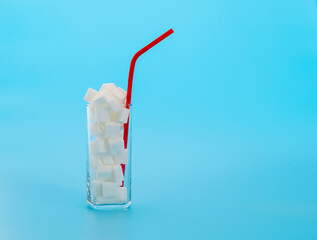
(130, 80)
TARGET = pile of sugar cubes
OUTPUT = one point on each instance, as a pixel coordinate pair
(107, 114)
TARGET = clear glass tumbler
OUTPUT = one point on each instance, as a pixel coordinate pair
(109, 160)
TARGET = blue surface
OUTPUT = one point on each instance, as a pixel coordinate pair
(224, 118)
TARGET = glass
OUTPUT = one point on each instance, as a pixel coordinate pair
(108, 161)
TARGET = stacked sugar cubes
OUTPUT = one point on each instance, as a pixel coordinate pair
(107, 114)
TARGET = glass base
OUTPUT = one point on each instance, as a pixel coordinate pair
(109, 206)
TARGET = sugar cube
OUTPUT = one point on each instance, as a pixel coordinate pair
(96, 188)
(100, 99)
(96, 162)
(105, 200)
(112, 130)
(90, 113)
(102, 114)
(122, 158)
(96, 129)
(113, 116)
(104, 173)
(118, 94)
(102, 146)
(109, 189)
(90, 95)
(98, 146)
(103, 97)
(117, 173)
(93, 147)
(116, 145)
(121, 195)
(121, 134)
(107, 86)
(123, 115)
(122, 91)
(114, 105)
(107, 159)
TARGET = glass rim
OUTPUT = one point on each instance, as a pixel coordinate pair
(93, 105)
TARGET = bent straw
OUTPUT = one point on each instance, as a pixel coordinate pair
(131, 72)
(130, 80)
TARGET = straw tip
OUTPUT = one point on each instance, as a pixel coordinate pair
(171, 30)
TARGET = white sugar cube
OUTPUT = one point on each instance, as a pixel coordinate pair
(123, 115)
(112, 130)
(125, 94)
(109, 189)
(116, 145)
(102, 114)
(105, 173)
(119, 94)
(102, 146)
(117, 173)
(96, 129)
(122, 91)
(121, 195)
(90, 113)
(90, 95)
(114, 105)
(102, 126)
(103, 97)
(107, 159)
(105, 200)
(98, 146)
(122, 158)
(113, 116)
(107, 86)
(93, 147)
(96, 188)
(100, 99)
(96, 162)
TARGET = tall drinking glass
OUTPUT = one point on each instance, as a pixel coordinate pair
(108, 161)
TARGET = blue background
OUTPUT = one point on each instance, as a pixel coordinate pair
(224, 117)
